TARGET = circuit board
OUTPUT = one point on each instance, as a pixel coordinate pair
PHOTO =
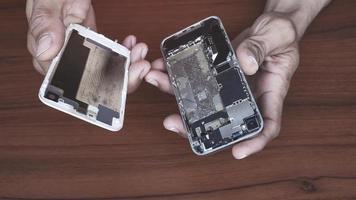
(213, 96)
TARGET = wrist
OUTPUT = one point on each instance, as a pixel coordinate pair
(301, 13)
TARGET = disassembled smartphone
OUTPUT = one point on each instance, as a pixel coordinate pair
(214, 99)
(88, 79)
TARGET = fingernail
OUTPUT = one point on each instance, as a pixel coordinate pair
(133, 41)
(241, 156)
(144, 53)
(44, 43)
(173, 129)
(152, 82)
(253, 60)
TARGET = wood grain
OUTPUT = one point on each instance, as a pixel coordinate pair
(45, 154)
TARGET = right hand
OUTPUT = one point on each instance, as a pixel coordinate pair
(269, 51)
(48, 19)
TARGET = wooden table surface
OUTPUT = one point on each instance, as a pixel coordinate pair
(45, 154)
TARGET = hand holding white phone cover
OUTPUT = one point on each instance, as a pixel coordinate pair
(88, 79)
(214, 99)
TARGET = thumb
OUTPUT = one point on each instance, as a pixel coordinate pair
(79, 12)
(269, 35)
(46, 31)
(174, 123)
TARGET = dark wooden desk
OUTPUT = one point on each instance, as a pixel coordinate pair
(45, 154)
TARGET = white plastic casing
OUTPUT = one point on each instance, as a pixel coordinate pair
(117, 124)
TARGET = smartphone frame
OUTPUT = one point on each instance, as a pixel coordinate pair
(180, 33)
(117, 124)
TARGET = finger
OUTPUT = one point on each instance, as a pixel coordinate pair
(139, 52)
(31, 43)
(41, 66)
(276, 73)
(90, 20)
(42, 70)
(254, 145)
(160, 80)
(77, 11)
(271, 104)
(159, 65)
(241, 37)
(137, 72)
(248, 62)
(46, 30)
(29, 8)
(270, 34)
(130, 41)
(174, 123)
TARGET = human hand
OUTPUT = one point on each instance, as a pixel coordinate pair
(48, 20)
(268, 50)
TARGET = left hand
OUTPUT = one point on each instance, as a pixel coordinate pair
(47, 21)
